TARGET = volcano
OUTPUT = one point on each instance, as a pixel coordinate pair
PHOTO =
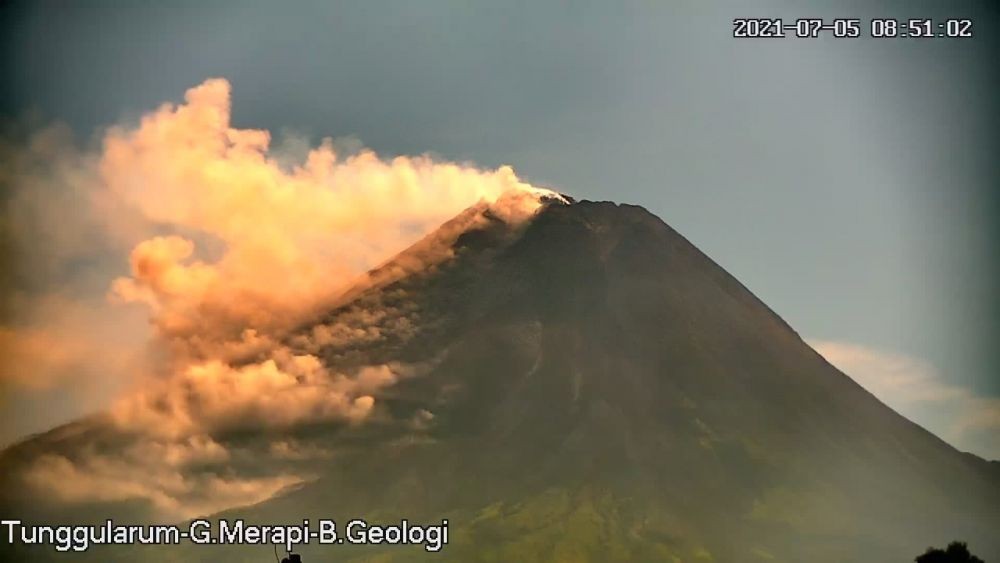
(589, 386)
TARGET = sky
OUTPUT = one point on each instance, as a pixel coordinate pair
(851, 184)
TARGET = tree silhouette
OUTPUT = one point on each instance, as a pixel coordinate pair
(956, 552)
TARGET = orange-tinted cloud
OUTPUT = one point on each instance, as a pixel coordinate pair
(226, 244)
(291, 237)
(229, 242)
(64, 338)
(179, 480)
(213, 397)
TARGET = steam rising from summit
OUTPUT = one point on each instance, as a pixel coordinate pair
(289, 237)
(226, 238)
(229, 243)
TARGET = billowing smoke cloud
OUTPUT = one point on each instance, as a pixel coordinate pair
(229, 244)
(179, 479)
(276, 393)
(287, 238)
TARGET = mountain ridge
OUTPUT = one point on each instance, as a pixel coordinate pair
(589, 386)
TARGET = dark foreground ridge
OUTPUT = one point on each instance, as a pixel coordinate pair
(597, 389)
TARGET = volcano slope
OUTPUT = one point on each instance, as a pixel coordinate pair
(591, 387)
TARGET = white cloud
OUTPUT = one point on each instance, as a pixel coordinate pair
(917, 390)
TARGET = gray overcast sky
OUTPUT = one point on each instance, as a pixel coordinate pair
(849, 183)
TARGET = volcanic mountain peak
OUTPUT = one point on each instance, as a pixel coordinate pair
(576, 381)
(508, 213)
(595, 356)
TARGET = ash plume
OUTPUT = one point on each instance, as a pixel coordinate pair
(223, 244)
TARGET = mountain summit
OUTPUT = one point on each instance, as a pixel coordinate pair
(588, 386)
